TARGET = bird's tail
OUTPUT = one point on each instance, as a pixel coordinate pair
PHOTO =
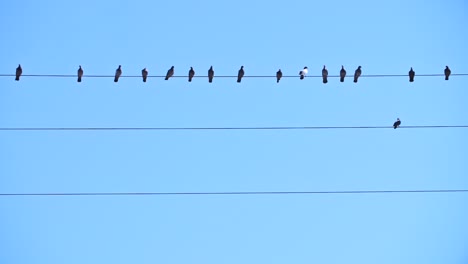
(17, 78)
(144, 79)
(79, 79)
(411, 80)
(238, 80)
(167, 78)
(277, 80)
(302, 77)
(190, 79)
(446, 78)
(325, 80)
(342, 79)
(210, 80)
(116, 79)
(355, 79)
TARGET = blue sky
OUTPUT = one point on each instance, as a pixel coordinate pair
(384, 37)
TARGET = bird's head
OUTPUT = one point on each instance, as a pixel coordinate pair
(342, 67)
(172, 67)
(80, 66)
(359, 67)
(398, 119)
(191, 68)
(242, 67)
(120, 66)
(324, 67)
(446, 67)
(305, 67)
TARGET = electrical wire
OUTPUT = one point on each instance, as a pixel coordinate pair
(235, 193)
(218, 128)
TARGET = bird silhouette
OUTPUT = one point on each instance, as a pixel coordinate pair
(191, 73)
(80, 73)
(342, 74)
(19, 71)
(240, 74)
(118, 72)
(169, 73)
(303, 73)
(357, 73)
(324, 74)
(279, 74)
(210, 74)
(447, 72)
(411, 74)
(144, 74)
(397, 123)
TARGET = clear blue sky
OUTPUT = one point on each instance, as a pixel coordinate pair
(384, 37)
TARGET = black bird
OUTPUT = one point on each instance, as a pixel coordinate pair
(19, 71)
(240, 74)
(144, 74)
(118, 72)
(279, 74)
(80, 73)
(447, 72)
(210, 74)
(169, 73)
(324, 74)
(191, 73)
(411, 74)
(357, 73)
(397, 123)
(303, 73)
(342, 74)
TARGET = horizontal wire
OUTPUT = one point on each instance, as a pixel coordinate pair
(232, 193)
(226, 76)
(217, 128)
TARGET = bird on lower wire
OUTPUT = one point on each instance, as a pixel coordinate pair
(397, 123)
(357, 73)
(144, 74)
(279, 74)
(80, 73)
(342, 74)
(210, 74)
(169, 73)
(303, 73)
(191, 73)
(240, 74)
(447, 72)
(118, 72)
(411, 74)
(324, 74)
(19, 71)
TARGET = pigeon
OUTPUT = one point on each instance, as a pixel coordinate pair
(169, 73)
(144, 74)
(411, 74)
(191, 73)
(80, 73)
(342, 74)
(324, 74)
(447, 72)
(303, 73)
(279, 74)
(210, 74)
(118, 72)
(397, 123)
(19, 71)
(240, 74)
(357, 73)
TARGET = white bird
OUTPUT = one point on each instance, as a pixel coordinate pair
(303, 72)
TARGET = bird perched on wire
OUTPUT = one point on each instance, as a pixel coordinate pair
(324, 74)
(169, 73)
(342, 74)
(279, 74)
(303, 72)
(411, 74)
(19, 71)
(191, 73)
(397, 123)
(357, 73)
(210, 74)
(144, 74)
(447, 72)
(118, 72)
(80, 73)
(240, 74)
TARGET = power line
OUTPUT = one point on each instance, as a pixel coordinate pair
(234, 193)
(227, 76)
(218, 128)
